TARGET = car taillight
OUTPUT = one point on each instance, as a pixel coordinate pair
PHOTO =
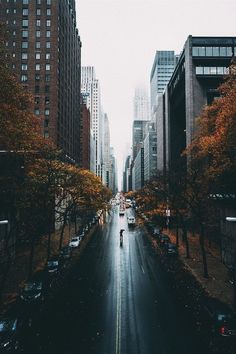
(222, 330)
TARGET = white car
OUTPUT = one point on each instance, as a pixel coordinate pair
(131, 220)
(74, 242)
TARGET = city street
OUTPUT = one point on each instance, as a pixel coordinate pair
(116, 301)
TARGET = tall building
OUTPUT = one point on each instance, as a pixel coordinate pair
(85, 133)
(200, 70)
(90, 89)
(45, 48)
(141, 104)
(162, 69)
(138, 135)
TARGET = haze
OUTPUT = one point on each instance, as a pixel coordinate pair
(120, 37)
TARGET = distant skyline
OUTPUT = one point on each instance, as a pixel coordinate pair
(120, 38)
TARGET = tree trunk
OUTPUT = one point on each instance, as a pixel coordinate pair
(32, 247)
(62, 232)
(202, 245)
(177, 231)
(185, 237)
(49, 241)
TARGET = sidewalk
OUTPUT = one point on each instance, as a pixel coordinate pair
(217, 285)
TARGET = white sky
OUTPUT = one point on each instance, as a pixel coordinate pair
(120, 38)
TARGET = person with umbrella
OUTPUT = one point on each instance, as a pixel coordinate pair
(121, 236)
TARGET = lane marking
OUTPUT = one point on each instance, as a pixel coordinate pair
(142, 269)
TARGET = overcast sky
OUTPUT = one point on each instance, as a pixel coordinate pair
(120, 37)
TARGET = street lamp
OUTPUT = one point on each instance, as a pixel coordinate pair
(3, 222)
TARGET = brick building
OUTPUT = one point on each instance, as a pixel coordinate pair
(45, 48)
(85, 133)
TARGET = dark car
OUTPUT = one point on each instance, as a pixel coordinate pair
(150, 226)
(32, 291)
(171, 249)
(9, 335)
(52, 266)
(222, 319)
(164, 239)
(66, 252)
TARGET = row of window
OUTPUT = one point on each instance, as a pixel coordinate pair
(25, 34)
(211, 70)
(25, 45)
(25, 12)
(38, 56)
(212, 51)
(37, 112)
(24, 67)
(38, 2)
(25, 23)
(24, 77)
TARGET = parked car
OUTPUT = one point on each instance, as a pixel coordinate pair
(131, 221)
(171, 249)
(163, 239)
(156, 231)
(222, 320)
(74, 242)
(10, 329)
(66, 252)
(32, 291)
(52, 266)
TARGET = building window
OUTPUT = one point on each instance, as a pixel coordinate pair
(38, 23)
(48, 34)
(13, 55)
(38, 34)
(47, 88)
(13, 44)
(37, 56)
(48, 45)
(48, 12)
(24, 56)
(47, 77)
(49, 2)
(36, 99)
(37, 45)
(38, 12)
(36, 89)
(46, 135)
(14, 11)
(38, 2)
(37, 77)
(47, 67)
(209, 51)
(25, 12)
(216, 51)
(47, 56)
(25, 23)
(37, 112)
(46, 123)
(48, 23)
(24, 45)
(47, 100)
(37, 67)
(25, 2)
(24, 78)
(24, 67)
(14, 22)
(25, 34)
(46, 112)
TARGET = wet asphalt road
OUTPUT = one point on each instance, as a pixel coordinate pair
(117, 300)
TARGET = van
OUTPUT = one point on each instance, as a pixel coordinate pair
(131, 220)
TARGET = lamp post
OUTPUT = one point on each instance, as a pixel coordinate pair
(233, 219)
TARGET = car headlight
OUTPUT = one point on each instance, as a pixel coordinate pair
(6, 344)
